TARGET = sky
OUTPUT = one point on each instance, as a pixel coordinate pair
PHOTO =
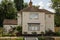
(44, 4)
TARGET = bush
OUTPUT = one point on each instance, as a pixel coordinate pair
(41, 38)
(25, 32)
(34, 33)
(57, 33)
(19, 28)
(42, 33)
(21, 38)
(49, 33)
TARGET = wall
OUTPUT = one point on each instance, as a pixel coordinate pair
(49, 21)
(19, 19)
(26, 20)
(7, 28)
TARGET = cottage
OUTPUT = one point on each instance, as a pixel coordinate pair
(8, 24)
(36, 20)
(33, 19)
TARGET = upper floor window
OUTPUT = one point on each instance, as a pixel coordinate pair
(49, 16)
(34, 16)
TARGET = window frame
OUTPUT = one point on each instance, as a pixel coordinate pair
(32, 14)
(34, 28)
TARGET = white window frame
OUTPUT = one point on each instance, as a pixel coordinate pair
(33, 28)
(34, 15)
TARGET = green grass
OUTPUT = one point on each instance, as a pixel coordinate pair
(1, 30)
(20, 38)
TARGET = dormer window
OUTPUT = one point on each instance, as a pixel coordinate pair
(33, 15)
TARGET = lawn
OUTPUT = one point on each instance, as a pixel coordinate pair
(11, 38)
(1, 31)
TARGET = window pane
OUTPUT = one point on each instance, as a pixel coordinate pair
(33, 15)
(34, 27)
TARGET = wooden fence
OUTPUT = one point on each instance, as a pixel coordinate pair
(57, 29)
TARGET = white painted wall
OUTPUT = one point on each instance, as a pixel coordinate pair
(50, 22)
(19, 19)
(26, 20)
(8, 27)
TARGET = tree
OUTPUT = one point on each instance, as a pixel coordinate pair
(19, 4)
(1, 15)
(25, 5)
(7, 10)
(56, 6)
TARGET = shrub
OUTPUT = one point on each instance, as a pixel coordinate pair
(42, 33)
(41, 38)
(49, 32)
(57, 33)
(34, 33)
(21, 38)
(19, 28)
(25, 32)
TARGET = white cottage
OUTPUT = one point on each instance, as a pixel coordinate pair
(33, 19)
(8, 24)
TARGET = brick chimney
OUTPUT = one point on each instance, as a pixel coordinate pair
(30, 3)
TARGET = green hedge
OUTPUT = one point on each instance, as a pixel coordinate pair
(41, 38)
(21, 38)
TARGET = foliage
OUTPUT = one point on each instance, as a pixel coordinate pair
(20, 38)
(56, 6)
(34, 33)
(12, 31)
(7, 10)
(19, 31)
(42, 33)
(1, 31)
(19, 28)
(57, 33)
(25, 5)
(41, 38)
(19, 4)
(49, 32)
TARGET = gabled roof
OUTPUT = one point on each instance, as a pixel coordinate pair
(34, 9)
(31, 8)
(10, 22)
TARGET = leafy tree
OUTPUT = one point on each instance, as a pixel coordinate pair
(7, 10)
(19, 4)
(25, 5)
(1, 15)
(56, 6)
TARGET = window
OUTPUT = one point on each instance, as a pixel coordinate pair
(33, 26)
(34, 16)
(49, 16)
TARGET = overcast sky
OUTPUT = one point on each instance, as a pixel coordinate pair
(44, 4)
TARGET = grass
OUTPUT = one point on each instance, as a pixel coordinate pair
(1, 31)
(20, 38)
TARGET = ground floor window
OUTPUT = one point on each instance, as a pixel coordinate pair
(34, 26)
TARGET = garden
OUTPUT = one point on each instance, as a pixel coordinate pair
(15, 31)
